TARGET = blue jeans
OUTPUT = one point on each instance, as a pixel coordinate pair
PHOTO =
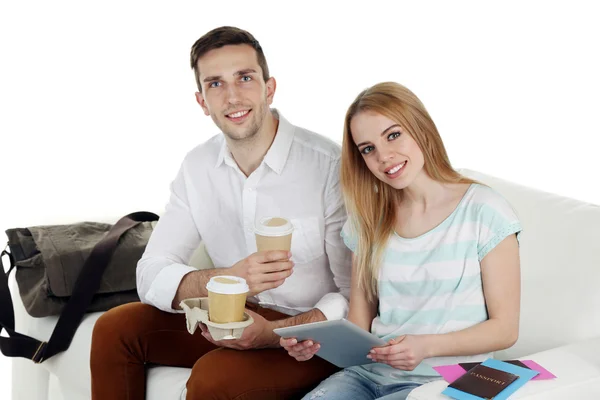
(348, 385)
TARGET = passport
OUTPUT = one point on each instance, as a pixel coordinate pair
(484, 382)
(523, 375)
(469, 365)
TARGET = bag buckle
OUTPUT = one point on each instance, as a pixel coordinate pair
(7, 253)
(38, 357)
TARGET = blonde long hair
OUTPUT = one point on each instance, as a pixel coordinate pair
(371, 204)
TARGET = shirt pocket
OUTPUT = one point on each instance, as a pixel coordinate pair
(307, 240)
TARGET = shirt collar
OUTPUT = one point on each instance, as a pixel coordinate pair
(277, 154)
(224, 154)
(279, 151)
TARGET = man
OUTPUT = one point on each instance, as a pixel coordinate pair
(260, 166)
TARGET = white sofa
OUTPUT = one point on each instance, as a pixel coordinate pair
(560, 313)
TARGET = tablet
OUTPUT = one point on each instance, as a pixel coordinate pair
(342, 343)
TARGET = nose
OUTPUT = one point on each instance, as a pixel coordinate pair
(385, 156)
(233, 94)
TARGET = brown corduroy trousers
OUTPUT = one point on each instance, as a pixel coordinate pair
(133, 336)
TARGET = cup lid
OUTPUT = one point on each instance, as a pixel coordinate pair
(219, 284)
(280, 226)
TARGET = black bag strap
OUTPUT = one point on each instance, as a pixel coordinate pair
(88, 282)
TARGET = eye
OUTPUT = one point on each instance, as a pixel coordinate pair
(214, 84)
(367, 149)
(246, 78)
(394, 135)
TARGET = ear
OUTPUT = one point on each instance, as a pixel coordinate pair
(200, 99)
(271, 86)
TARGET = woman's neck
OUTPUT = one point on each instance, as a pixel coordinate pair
(423, 192)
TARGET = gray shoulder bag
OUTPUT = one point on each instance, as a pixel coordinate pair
(69, 270)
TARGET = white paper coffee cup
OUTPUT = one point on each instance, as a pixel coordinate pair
(273, 233)
(226, 298)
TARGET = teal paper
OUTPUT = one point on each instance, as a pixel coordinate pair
(525, 375)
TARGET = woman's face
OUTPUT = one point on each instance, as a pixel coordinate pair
(389, 151)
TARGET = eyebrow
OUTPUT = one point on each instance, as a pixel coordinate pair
(245, 71)
(382, 133)
(237, 73)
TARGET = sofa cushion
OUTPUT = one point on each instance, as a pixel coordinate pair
(71, 368)
(167, 383)
(560, 267)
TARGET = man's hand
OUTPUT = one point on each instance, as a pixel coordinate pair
(258, 335)
(404, 352)
(264, 270)
(302, 351)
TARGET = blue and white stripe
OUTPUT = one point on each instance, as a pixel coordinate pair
(432, 284)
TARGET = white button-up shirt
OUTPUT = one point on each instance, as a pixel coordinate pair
(213, 201)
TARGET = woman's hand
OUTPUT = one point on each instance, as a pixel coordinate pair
(300, 351)
(404, 352)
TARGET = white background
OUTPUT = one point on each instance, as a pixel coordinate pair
(97, 102)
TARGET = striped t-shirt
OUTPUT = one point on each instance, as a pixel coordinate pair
(431, 284)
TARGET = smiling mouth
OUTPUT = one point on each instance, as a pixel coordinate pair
(238, 114)
(393, 170)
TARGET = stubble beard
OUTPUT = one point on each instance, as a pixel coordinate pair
(248, 134)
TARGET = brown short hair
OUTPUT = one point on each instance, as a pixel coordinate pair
(224, 36)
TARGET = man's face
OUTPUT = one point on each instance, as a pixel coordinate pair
(234, 92)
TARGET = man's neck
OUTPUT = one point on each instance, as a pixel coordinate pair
(248, 154)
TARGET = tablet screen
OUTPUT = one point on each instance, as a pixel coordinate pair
(342, 343)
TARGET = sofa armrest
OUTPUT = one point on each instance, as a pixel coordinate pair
(68, 370)
(71, 368)
(29, 381)
(576, 366)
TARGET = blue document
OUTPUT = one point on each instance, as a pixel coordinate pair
(525, 375)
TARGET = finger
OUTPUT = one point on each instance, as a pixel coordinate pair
(401, 366)
(303, 346)
(392, 342)
(288, 342)
(268, 268)
(393, 357)
(208, 337)
(312, 350)
(252, 313)
(306, 349)
(396, 340)
(388, 349)
(233, 346)
(231, 343)
(304, 358)
(257, 278)
(272, 255)
(306, 353)
(274, 276)
(266, 286)
(297, 348)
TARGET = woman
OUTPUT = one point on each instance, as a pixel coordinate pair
(436, 261)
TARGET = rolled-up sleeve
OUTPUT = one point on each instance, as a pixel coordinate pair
(335, 305)
(172, 243)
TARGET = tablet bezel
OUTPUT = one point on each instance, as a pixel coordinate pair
(333, 349)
